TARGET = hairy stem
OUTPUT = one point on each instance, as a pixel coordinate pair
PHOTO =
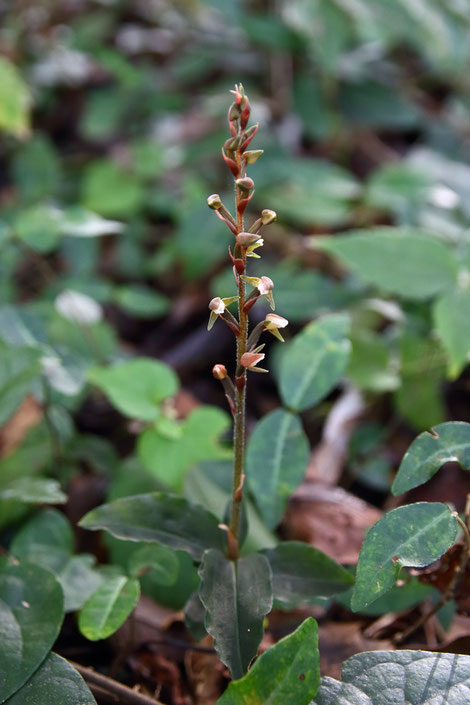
(240, 392)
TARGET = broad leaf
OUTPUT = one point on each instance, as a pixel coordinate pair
(448, 442)
(141, 301)
(288, 672)
(20, 367)
(168, 451)
(452, 322)
(162, 560)
(414, 536)
(315, 361)
(33, 490)
(15, 100)
(38, 227)
(136, 387)
(237, 595)
(31, 612)
(389, 677)
(110, 190)
(276, 459)
(55, 681)
(301, 573)
(159, 517)
(410, 262)
(108, 607)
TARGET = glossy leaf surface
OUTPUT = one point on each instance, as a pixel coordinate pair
(136, 387)
(288, 672)
(389, 677)
(301, 573)
(108, 607)
(159, 517)
(407, 261)
(31, 612)
(315, 361)
(414, 536)
(55, 681)
(237, 595)
(276, 459)
(448, 442)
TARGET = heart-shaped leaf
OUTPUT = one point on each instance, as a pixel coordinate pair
(31, 613)
(448, 442)
(315, 361)
(389, 677)
(136, 387)
(407, 261)
(159, 517)
(414, 536)
(301, 573)
(108, 607)
(236, 595)
(288, 672)
(276, 459)
(55, 681)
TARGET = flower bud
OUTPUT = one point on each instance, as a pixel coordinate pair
(234, 112)
(214, 202)
(268, 216)
(247, 239)
(219, 372)
(245, 184)
(253, 155)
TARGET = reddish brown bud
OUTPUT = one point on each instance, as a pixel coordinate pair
(232, 165)
(219, 372)
(214, 202)
(248, 136)
(247, 239)
(245, 184)
(250, 359)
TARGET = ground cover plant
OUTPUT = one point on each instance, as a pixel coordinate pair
(321, 552)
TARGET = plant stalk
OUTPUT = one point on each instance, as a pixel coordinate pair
(240, 389)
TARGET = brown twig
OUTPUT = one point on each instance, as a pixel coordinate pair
(117, 692)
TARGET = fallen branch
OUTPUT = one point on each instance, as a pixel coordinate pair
(101, 684)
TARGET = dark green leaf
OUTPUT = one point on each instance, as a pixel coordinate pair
(31, 612)
(414, 536)
(136, 387)
(159, 517)
(448, 442)
(55, 682)
(33, 490)
(301, 573)
(371, 365)
(288, 672)
(410, 262)
(20, 366)
(392, 677)
(108, 607)
(452, 322)
(194, 615)
(237, 596)
(315, 361)
(276, 459)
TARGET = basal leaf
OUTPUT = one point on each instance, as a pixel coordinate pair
(448, 442)
(108, 607)
(55, 681)
(452, 322)
(414, 536)
(31, 612)
(237, 595)
(276, 459)
(407, 261)
(288, 672)
(159, 517)
(301, 573)
(315, 361)
(389, 677)
(136, 387)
